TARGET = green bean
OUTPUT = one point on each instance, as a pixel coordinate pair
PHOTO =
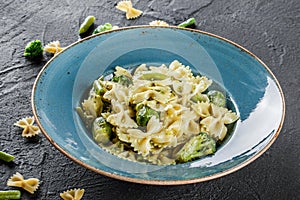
(10, 194)
(154, 76)
(188, 22)
(6, 157)
(86, 24)
(217, 98)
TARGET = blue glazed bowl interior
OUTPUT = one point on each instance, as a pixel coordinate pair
(253, 90)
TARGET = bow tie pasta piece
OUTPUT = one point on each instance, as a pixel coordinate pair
(121, 71)
(121, 116)
(117, 93)
(140, 140)
(53, 47)
(158, 23)
(203, 109)
(29, 129)
(214, 124)
(126, 6)
(30, 185)
(74, 194)
(93, 106)
(180, 72)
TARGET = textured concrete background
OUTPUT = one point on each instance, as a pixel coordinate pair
(268, 28)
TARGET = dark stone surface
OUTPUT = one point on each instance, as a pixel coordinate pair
(268, 28)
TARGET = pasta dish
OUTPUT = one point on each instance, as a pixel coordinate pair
(157, 114)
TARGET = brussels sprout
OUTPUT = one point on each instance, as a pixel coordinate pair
(198, 146)
(217, 98)
(143, 114)
(123, 80)
(102, 130)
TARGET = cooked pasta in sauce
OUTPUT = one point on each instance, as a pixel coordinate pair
(157, 114)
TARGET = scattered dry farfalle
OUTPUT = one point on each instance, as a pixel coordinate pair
(126, 6)
(53, 47)
(27, 124)
(158, 23)
(30, 185)
(74, 194)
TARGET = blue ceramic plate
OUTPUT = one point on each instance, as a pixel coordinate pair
(254, 91)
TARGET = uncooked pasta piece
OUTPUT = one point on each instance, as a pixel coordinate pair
(126, 6)
(73, 194)
(30, 185)
(53, 47)
(27, 124)
(158, 23)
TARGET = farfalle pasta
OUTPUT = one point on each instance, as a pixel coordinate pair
(53, 47)
(30, 185)
(158, 23)
(157, 114)
(126, 6)
(73, 194)
(29, 129)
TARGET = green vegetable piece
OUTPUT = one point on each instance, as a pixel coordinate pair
(217, 98)
(200, 97)
(144, 114)
(123, 80)
(6, 157)
(198, 146)
(87, 23)
(10, 194)
(154, 76)
(188, 22)
(98, 88)
(102, 130)
(104, 27)
(34, 49)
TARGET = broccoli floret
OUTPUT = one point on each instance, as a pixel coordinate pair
(105, 27)
(34, 49)
(102, 130)
(144, 114)
(198, 146)
(123, 80)
(217, 98)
